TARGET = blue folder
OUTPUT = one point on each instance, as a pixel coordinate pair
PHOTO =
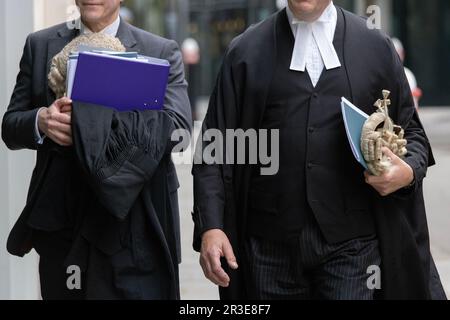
(121, 83)
(354, 120)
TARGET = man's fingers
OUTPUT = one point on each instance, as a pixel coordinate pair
(67, 108)
(374, 180)
(55, 126)
(380, 184)
(388, 153)
(367, 176)
(206, 267)
(214, 278)
(65, 118)
(61, 138)
(218, 271)
(229, 255)
(215, 245)
(212, 272)
(65, 128)
(61, 133)
(62, 102)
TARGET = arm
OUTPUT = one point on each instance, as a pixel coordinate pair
(23, 124)
(420, 155)
(209, 189)
(177, 104)
(18, 127)
(209, 184)
(408, 172)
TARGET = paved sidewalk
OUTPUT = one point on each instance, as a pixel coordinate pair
(193, 283)
(437, 188)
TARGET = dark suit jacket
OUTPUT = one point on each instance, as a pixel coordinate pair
(32, 92)
(239, 100)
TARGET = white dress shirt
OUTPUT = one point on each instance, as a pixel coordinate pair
(111, 30)
(313, 49)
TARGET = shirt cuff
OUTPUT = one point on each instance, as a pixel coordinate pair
(39, 139)
(201, 226)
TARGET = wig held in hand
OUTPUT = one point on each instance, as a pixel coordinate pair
(380, 131)
(58, 71)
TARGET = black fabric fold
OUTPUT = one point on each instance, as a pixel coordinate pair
(119, 152)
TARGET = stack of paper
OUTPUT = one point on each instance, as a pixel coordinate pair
(124, 81)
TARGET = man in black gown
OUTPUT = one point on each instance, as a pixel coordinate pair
(319, 227)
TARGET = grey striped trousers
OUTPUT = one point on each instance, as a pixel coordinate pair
(310, 268)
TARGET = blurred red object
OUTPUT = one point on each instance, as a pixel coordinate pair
(417, 93)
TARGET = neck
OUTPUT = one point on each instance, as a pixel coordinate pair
(98, 26)
(310, 16)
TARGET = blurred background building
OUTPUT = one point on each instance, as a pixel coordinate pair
(204, 28)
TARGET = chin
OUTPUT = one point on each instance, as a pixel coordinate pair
(91, 15)
(91, 11)
(304, 5)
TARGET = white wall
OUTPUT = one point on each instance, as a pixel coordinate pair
(18, 277)
(50, 12)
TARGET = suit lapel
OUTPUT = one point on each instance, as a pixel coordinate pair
(359, 71)
(126, 36)
(263, 76)
(55, 45)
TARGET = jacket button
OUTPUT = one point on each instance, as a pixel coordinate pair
(310, 165)
(315, 95)
(311, 129)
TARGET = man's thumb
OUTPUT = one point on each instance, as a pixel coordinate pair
(388, 153)
(63, 102)
(229, 255)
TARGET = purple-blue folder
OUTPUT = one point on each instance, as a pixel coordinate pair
(121, 83)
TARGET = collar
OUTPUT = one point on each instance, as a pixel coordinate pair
(111, 30)
(321, 31)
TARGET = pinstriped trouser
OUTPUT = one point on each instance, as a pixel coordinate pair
(310, 268)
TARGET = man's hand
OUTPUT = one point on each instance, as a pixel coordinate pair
(55, 122)
(215, 244)
(398, 176)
